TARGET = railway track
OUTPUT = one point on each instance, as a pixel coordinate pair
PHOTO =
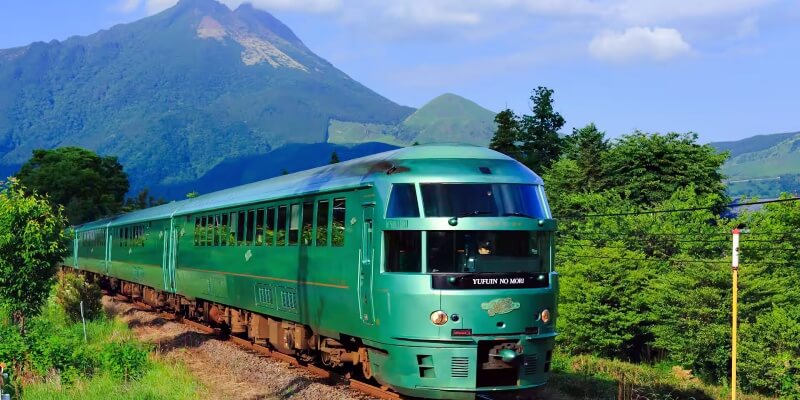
(331, 376)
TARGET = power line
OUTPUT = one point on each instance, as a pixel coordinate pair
(667, 260)
(732, 205)
(676, 261)
(681, 234)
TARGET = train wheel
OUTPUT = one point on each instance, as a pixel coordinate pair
(366, 367)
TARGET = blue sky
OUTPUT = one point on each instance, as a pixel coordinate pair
(726, 69)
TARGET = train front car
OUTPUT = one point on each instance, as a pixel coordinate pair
(465, 301)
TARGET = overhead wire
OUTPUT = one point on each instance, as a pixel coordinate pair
(650, 212)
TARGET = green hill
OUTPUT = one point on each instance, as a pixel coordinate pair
(752, 144)
(764, 165)
(176, 94)
(447, 118)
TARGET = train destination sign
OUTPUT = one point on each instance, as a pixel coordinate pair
(490, 281)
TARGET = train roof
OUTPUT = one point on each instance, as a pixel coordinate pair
(349, 174)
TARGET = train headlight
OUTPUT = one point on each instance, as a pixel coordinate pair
(545, 316)
(439, 317)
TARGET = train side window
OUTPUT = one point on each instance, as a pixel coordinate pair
(224, 231)
(403, 251)
(323, 207)
(203, 230)
(251, 221)
(233, 229)
(196, 231)
(120, 236)
(217, 229)
(281, 226)
(127, 237)
(308, 223)
(270, 230)
(241, 224)
(403, 201)
(337, 229)
(259, 227)
(294, 224)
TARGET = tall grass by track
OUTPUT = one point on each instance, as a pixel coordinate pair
(53, 361)
(590, 377)
(165, 380)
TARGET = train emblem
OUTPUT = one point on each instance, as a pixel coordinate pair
(500, 306)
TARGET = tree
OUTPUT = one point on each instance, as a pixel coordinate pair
(541, 145)
(142, 200)
(334, 158)
(32, 243)
(284, 172)
(507, 133)
(86, 185)
(192, 194)
(587, 146)
(770, 353)
(649, 168)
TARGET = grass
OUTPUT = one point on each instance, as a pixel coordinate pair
(590, 377)
(58, 363)
(167, 380)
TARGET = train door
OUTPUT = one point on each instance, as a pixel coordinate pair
(163, 236)
(75, 236)
(170, 246)
(366, 265)
(107, 250)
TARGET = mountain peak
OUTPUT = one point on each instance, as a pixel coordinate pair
(205, 6)
(452, 105)
(264, 22)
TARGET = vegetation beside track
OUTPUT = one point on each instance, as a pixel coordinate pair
(54, 360)
(592, 377)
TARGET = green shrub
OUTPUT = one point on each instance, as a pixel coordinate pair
(124, 360)
(770, 354)
(12, 344)
(71, 290)
(33, 241)
(60, 350)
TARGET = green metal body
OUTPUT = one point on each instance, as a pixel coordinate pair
(346, 291)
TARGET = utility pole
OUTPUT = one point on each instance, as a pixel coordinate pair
(735, 313)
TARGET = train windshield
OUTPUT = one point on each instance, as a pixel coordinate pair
(488, 251)
(482, 200)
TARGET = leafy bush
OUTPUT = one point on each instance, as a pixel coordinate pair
(124, 360)
(71, 290)
(12, 345)
(770, 354)
(32, 243)
(55, 348)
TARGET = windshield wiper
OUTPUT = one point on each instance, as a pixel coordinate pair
(474, 213)
(518, 214)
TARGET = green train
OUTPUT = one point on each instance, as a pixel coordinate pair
(428, 268)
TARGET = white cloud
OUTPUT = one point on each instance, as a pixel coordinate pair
(563, 7)
(748, 27)
(638, 43)
(128, 6)
(661, 11)
(312, 6)
(431, 13)
(151, 6)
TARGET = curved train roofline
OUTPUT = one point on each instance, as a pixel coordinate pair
(350, 174)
